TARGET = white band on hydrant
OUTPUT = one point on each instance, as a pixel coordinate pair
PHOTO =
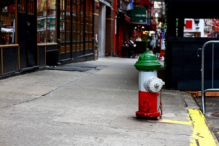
(148, 81)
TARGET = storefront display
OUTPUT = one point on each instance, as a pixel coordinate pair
(7, 23)
(44, 32)
(46, 21)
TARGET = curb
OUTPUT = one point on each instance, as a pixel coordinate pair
(192, 105)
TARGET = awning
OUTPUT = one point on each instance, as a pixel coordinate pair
(151, 27)
(123, 15)
(138, 15)
(127, 18)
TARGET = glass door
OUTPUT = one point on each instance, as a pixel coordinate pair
(27, 37)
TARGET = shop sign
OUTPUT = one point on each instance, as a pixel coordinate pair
(138, 14)
(188, 24)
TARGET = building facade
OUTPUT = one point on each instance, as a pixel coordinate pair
(36, 33)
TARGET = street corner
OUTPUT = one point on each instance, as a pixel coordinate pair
(202, 134)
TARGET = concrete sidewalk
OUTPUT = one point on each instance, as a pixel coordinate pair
(95, 106)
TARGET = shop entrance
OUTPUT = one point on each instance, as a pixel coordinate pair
(26, 26)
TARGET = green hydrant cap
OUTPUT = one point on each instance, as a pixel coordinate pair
(147, 62)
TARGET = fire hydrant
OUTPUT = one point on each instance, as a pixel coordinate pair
(149, 85)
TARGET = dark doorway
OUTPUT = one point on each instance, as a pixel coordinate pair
(27, 37)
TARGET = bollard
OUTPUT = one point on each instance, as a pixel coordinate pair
(149, 85)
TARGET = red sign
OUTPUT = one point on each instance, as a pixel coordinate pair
(215, 24)
(188, 24)
(145, 3)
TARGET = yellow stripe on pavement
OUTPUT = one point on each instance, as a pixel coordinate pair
(175, 122)
(201, 136)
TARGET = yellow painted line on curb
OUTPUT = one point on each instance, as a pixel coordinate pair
(201, 136)
(175, 122)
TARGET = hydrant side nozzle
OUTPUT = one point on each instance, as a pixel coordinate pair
(154, 84)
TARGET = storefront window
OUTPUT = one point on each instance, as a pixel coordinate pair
(22, 6)
(82, 21)
(7, 22)
(30, 7)
(78, 27)
(46, 21)
(88, 25)
(74, 21)
(68, 21)
(62, 21)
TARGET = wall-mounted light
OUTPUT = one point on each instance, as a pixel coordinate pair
(156, 15)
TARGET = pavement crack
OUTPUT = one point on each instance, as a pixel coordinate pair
(79, 78)
(43, 95)
(20, 103)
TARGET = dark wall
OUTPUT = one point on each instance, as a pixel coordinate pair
(10, 60)
(184, 65)
(196, 9)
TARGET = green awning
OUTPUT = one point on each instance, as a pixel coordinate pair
(138, 15)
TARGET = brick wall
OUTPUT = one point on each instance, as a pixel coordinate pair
(109, 32)
(109, 37)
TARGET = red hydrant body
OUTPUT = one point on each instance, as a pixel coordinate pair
(148, 105)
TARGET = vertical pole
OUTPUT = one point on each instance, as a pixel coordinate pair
(202, 81)
(2, 61)
(38, 63)
(71, 28)
(45, 55)
(84, 27)
(102, 30)
(19, 59)
(212, 65)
